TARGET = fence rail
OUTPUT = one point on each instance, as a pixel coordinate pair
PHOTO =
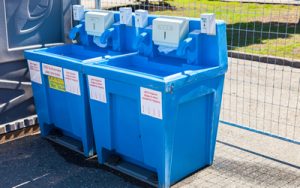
(257, 95)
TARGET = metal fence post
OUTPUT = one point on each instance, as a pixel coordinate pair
(98, 4)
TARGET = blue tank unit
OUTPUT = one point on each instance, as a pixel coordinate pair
(160, 108)
(59, 85)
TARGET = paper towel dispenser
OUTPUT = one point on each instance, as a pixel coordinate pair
(169, 31)
(97, 22)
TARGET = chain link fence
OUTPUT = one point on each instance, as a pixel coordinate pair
(262, 87)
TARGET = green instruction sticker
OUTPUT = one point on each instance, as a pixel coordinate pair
(56, 83)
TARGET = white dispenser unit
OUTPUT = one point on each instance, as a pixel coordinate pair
(78, 12)
(168, 32)
(97, 22)
(208, 23)
(126, 16)
(141, 18)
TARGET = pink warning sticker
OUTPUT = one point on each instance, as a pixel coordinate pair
(35, 71)
(151, 103)
(97, 88)
(72, 81)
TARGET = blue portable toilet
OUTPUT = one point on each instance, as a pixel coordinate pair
(160, 108)
(58, 82)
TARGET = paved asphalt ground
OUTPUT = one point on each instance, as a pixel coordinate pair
(241, 160)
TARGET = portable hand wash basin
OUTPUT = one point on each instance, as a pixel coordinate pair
(58, 82)
(160, 108)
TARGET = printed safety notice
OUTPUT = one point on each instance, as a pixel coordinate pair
(35, 71)
(151, 103)
(97, 88)
(56, 83)
(72, 81)
(52, 70)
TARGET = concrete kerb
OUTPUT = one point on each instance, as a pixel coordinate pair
(279, 2)
(18, 124)
(265, 59)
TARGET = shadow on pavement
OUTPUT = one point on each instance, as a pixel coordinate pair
(36, 162)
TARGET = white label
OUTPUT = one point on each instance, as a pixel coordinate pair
(35, 71)
(52, 70)
(72, 81)
(97, 88)
(151, 103)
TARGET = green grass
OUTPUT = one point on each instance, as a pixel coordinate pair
(265, 29)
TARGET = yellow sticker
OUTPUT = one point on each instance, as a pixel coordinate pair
(56, 83)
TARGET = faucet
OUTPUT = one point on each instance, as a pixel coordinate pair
(75, 30)
(184, 45)
(106, 35)
(141, 39)
(79, 29)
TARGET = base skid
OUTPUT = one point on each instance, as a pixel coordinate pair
(132, 170)
(67, 142)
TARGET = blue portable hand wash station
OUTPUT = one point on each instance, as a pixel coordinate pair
(58, 82)
(155, 114)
